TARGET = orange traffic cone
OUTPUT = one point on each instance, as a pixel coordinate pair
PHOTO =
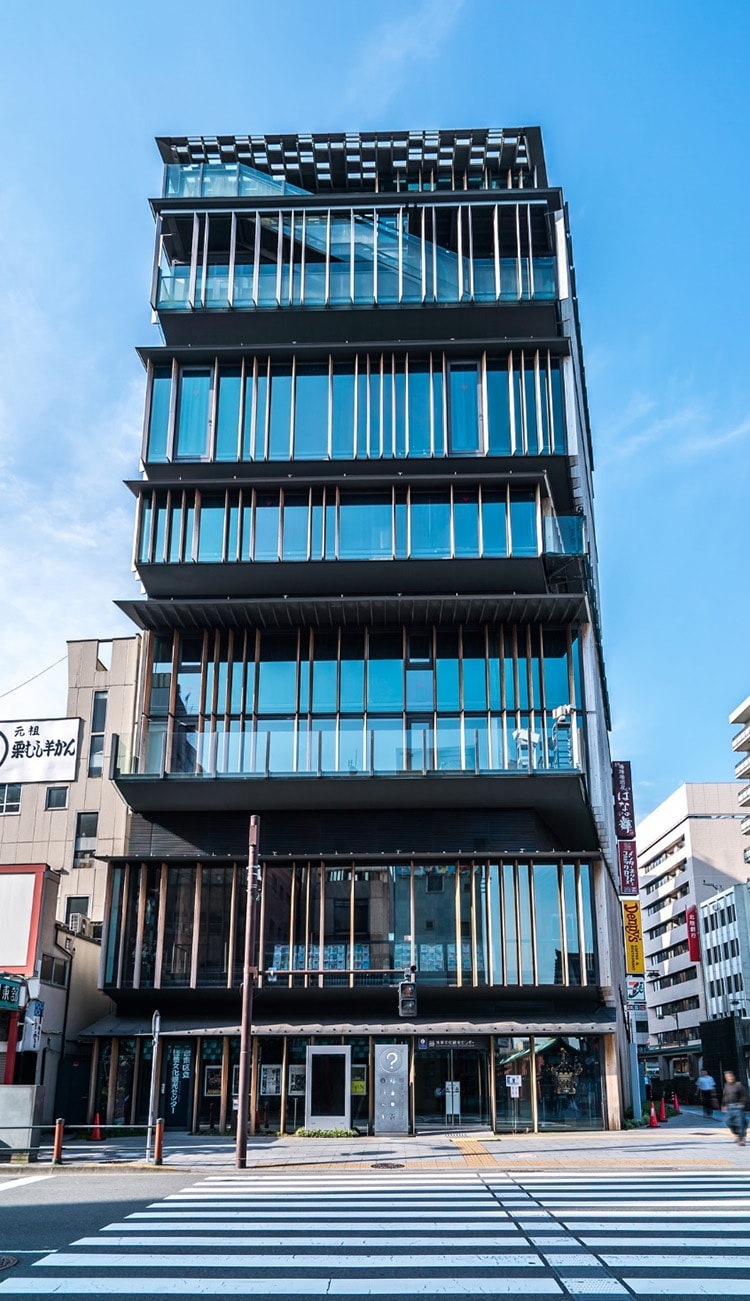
(652, 1121)
(96, 1133)
(676, 1104)
(662, 1112)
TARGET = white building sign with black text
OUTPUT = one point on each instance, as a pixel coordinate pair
(39, 750)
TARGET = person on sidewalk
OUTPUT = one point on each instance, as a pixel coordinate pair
(706, 1085)
(734, 1102)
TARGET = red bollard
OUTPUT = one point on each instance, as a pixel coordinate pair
(58, 1143)
(677, 1107)
(158, 1141)
(662, 1112)
(652, 1121)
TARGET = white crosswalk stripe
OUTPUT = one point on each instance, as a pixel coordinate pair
(476, 1233)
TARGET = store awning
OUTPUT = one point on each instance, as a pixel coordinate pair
(177, 1027)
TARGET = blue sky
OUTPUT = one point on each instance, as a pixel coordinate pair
(644, 110)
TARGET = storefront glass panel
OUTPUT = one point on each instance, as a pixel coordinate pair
(513, 1085)
(568, 1082)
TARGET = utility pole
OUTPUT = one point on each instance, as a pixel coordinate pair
(155, 1028)
(249, 974)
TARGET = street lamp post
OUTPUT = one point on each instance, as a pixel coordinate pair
(155, 1028)
(249, 974)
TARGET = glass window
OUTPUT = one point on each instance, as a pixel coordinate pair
(365, 527)
(385, 672)
(193, 412)
(311, 412)
(447, 670)
(228, 417)
(295, 526)
(96, 756)
(343, 412)
(158, 426)
(494, 523)
(10, 798)
(352, 673)
(474, 671)
(277, 675)
(85, 839)
(266, 537)
(56, 797)
(523, 531)
(463, 409)
(465, 522)
(556, 688)
(419, 409)
(211, 529)
(324, 673)
(430, 525)
(280, 417)
(76, 903)
(498, 408)
(548, 931)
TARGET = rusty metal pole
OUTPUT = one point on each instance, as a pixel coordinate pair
(58, 1144)
(158, 1141)
(249, 974)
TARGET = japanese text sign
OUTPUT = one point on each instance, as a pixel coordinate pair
(628, 861)
(40, 750)
(633, 933)
(622, 786)
(693, 934)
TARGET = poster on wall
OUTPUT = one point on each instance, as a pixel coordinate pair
(39, 750)
(270, 1080)
(296, 1081)
(212, 1081)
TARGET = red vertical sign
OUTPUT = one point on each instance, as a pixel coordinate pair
(693, 933)
(622, 787)
(628, 861)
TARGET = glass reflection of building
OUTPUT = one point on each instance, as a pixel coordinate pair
(365, 537)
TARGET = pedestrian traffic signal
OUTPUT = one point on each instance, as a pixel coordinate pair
(407, 998)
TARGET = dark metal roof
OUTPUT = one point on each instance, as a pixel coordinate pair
(353, 160)
(155, 615)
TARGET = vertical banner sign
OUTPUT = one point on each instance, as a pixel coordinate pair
(622, 787)
(631, 925)
(693, 934)
(628, 860)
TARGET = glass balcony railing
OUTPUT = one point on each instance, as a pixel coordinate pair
(564, 535)
(283, 748)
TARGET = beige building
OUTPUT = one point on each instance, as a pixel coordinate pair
(689, 848)
(65, 827)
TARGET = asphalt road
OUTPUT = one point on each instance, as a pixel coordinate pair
(377, 1232)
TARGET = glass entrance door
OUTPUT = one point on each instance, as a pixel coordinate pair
(451, 1088)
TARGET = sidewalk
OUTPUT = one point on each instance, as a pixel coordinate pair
(688, 1141)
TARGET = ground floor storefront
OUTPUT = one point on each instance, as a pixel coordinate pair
(432, 1080)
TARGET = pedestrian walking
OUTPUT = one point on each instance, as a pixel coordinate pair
(706, 1087)
(734, 1102)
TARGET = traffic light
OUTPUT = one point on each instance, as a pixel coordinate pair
(407, 998)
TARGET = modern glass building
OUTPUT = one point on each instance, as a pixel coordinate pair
(365, 538)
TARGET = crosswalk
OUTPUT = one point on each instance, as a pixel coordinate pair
(428, 1232)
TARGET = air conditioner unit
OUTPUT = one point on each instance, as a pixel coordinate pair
(77, 922)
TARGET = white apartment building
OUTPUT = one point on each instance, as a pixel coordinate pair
(689, 849)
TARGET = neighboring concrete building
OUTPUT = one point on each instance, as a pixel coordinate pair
(725, 945)
(63, 824)
(366, 538)
(689, 848)
(740, 717)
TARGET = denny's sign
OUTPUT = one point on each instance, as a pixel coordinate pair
(633, 933)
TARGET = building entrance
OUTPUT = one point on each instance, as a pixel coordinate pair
(451, 1088)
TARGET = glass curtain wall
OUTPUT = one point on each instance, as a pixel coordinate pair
(367, 701)
(475, 923)
(368, 407)
(481, 251)
(262, 525)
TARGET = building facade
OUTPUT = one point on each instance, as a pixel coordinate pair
(690, 849)
(56, 833)
(365, 537)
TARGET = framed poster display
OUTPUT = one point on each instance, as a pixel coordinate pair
(270, 1081)
(297, 1080)
(212, 1081)
(359, 1079)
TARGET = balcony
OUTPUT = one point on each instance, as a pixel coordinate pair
(741, 714)
(745, 826)
(743, 796)
(742, 769)
(742, 740)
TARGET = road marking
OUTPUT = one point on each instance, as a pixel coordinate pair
(697, 1261)
(106, 1286)
(689, 1286)
(27, 1179)
(339, 1220)
(292, 1260)
(509, 1240)
(655, 1241)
